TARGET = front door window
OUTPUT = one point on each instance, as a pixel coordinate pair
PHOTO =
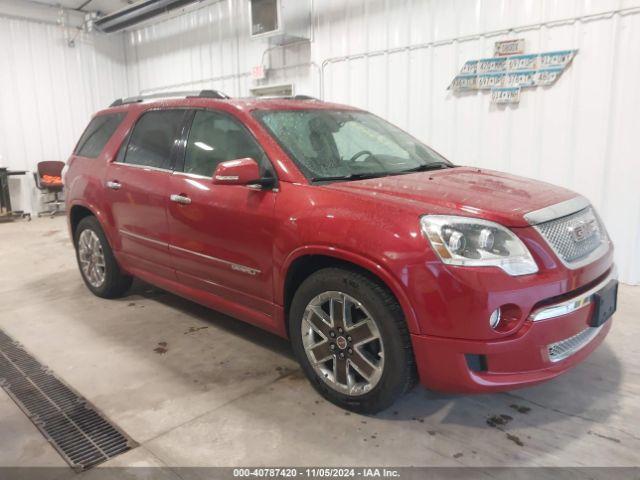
(216, 138)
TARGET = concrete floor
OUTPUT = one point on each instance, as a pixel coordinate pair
(225, 394)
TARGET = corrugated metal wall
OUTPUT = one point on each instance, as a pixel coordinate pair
(581, 133)
(48, 92)
(210, 48)
(393, 57)
(578, 133)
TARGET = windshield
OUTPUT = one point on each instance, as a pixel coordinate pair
(337, 144)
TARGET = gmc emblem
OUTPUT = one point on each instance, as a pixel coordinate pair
(583, 230)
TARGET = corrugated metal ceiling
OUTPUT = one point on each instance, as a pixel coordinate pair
(104, 6)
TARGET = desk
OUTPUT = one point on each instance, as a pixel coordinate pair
(6, 214)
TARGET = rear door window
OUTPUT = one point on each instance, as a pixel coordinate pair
(154, 138)
(97, 134)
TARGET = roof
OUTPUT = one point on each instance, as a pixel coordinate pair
(212, 98)
(285, 103)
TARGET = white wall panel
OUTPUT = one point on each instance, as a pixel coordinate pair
(581, 133)
(576, 133)
(564, 134)
(48, 92)
(210, 48)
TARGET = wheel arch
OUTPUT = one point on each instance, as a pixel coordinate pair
(305, 261)
(76, 214)
(80, 210)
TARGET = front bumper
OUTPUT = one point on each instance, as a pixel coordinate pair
(553, 339)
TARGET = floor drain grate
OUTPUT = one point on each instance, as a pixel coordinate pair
(81, 435)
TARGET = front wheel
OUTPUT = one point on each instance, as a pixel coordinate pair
(350, 337)
(98, 267)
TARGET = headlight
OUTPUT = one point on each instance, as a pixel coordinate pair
(477, 243)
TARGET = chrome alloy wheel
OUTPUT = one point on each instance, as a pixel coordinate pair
(342, 343)
(91, 258)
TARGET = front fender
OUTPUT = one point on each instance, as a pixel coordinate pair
(359, 260)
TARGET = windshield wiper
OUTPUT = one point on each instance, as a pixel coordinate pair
(426, 167)
(359, 176)
(351, 176)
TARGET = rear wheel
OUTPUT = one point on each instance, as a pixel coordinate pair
(349, 335)
(98, 266)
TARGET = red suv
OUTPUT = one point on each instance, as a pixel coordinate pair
(381, 261)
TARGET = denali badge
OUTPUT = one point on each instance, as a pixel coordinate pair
(583, 230)
(243, 269)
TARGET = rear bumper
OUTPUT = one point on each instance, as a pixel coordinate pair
(552, 340)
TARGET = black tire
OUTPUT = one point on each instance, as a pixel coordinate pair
(398, 374)
(115, 283)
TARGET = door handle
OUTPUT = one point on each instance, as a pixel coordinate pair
(114, 185)
(183, 199)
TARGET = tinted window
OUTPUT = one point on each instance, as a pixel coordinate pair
(153, 138)
(215, 138)
(97, 134)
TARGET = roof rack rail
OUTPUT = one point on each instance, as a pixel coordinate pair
(305, 97)
(211, 94)
(284, 97)
(197, 94)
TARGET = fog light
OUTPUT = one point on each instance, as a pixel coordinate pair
(494, 318)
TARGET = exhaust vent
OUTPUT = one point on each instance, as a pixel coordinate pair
(282, 21)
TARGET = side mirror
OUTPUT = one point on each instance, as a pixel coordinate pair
(244, 171)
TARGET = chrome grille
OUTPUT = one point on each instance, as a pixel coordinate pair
(567, 347)
(575, 236)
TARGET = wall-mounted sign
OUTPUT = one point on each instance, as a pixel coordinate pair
(503, 95)
(490, 65)
(490, 80)
(556, 59)
(521, 62)
(523, 78)
(258, 72)
(508, 47)
(465, 82)
(548, 76)
(506, 74)
(470, 67)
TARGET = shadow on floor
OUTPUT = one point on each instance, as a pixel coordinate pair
(588, 390)
(245, 330)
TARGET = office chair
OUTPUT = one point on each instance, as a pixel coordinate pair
(49, 181)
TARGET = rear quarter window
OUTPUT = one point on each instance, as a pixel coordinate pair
(97, 134)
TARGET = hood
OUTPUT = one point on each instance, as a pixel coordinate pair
(471, 192)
